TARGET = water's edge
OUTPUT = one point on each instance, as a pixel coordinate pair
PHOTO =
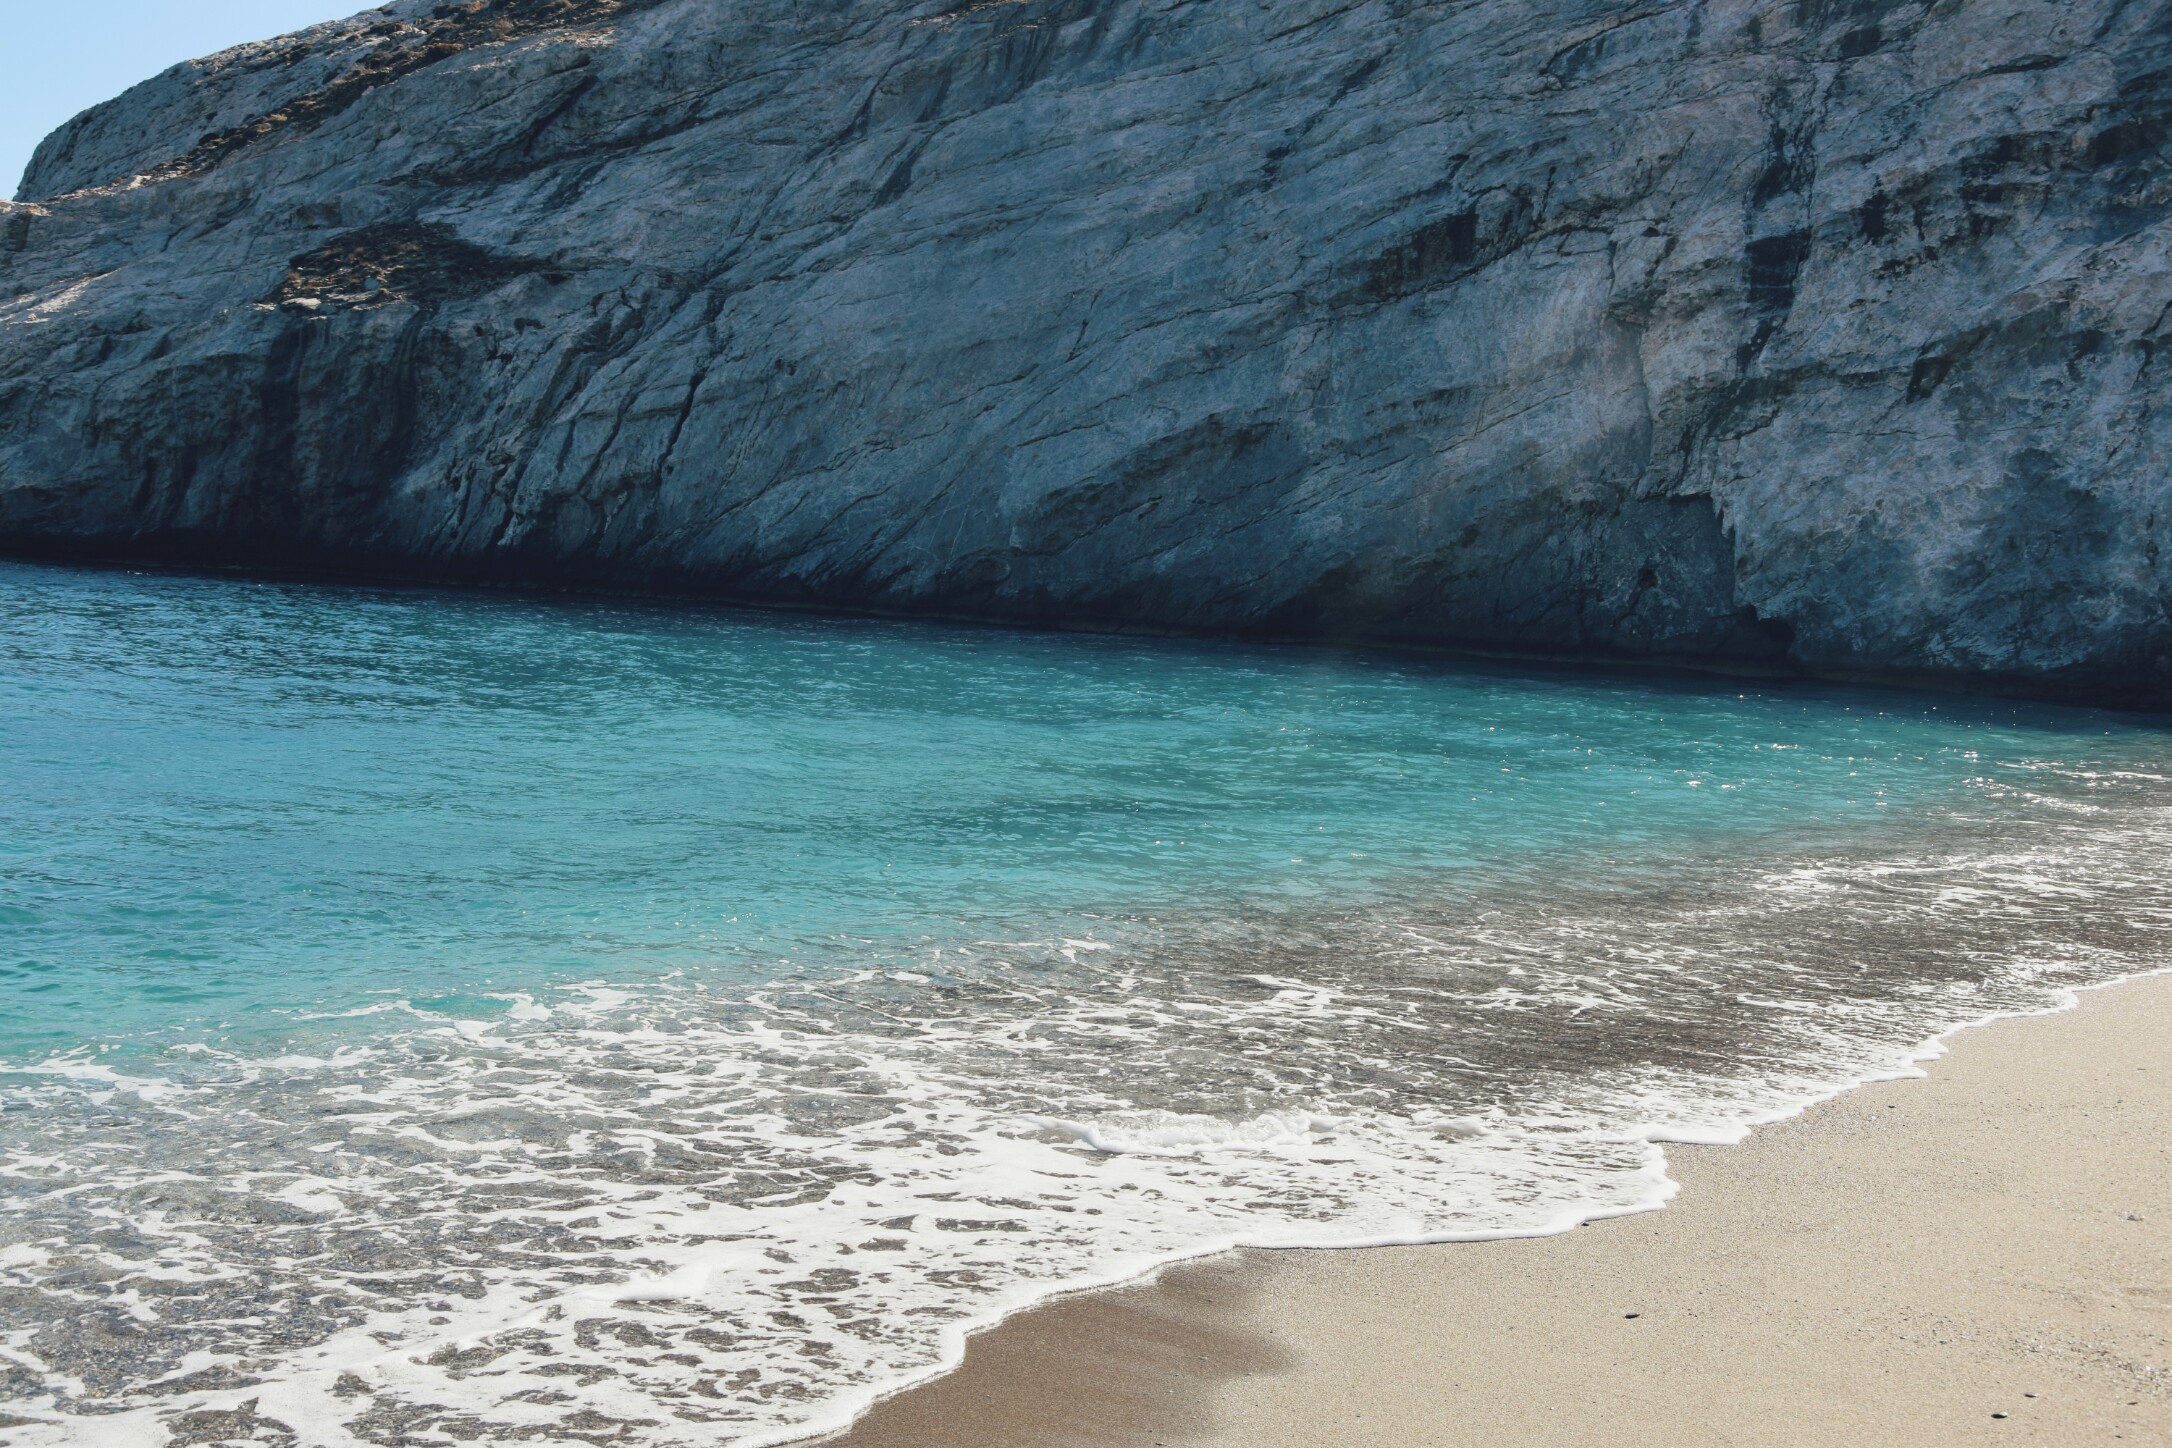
(422, 1003)
(2089, 693)
(957, 1339)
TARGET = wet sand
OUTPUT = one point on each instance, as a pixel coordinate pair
(1980, 1257)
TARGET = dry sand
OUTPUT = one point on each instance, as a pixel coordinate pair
(1896, 1267)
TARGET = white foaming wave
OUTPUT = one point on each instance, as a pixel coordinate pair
(525, 1007)
(1170, 1133)
(741, 1227)
(1021, 1228)
(78, 1068)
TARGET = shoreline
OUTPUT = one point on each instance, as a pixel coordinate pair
(2022, 1191)
(2051, 692)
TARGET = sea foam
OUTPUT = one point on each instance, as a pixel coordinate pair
(431, 1018)
(674, 1215)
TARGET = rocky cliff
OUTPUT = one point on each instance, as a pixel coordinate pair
(1818, 333)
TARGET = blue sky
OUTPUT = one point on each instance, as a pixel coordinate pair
(58, 57)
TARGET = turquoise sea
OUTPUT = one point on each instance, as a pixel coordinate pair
(431, 1016)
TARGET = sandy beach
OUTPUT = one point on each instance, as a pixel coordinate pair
(1980, 1256)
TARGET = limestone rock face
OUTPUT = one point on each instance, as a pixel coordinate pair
(1817, 333)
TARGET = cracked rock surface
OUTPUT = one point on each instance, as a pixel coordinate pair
(1808, 333)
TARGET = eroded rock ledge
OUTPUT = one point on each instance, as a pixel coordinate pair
(1806, 333)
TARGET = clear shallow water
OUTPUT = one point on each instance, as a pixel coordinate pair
(430, 1018)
